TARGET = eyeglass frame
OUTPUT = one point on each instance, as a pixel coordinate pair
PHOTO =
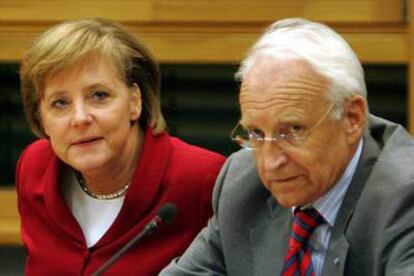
(277, 137)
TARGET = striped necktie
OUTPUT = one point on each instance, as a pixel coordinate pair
(298, 260)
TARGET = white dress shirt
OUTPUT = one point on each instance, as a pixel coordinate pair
(328, 206)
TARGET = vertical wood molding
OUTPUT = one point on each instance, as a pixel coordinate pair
(9, 218)
(410, 90)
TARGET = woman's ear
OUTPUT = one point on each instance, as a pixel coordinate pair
(355, 114)
(135, 103)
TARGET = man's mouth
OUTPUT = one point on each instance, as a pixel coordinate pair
(286, 179)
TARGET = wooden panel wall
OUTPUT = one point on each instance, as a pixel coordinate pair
(209, 31)
(200, 31)
(9, 219)
(204, 10)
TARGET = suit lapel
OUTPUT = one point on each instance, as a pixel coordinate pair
(338, 246)
(269, 240)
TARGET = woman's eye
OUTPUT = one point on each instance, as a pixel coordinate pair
(59, 103)
(100, 95)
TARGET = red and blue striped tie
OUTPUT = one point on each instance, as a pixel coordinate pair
(298, 261)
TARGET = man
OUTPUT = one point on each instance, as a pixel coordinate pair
(326, 188)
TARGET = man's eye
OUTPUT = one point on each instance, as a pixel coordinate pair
(256, 134)
(100, 95)
(296, 130)
(59, 103)
(293, 129)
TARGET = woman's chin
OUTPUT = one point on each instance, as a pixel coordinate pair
(87, 164)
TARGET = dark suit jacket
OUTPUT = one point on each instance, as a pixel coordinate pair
(373, 232)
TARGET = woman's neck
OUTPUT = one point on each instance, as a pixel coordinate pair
(119, 173)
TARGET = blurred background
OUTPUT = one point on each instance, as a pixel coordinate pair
(199, 44)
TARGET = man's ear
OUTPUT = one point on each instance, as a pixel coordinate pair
(135, 103)
(355, 116)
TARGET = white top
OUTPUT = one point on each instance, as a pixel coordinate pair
(94, 216)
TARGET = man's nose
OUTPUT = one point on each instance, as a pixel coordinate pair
(81, 115)
(273, 157)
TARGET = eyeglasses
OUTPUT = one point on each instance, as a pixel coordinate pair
(287, 135)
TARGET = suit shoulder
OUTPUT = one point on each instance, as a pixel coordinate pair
(191, 168)
(36, 149)
(193, 153)
(398, 153)
(34, 157)
(239, 177)
(239, 164)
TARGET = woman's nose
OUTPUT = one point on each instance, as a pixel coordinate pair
(81, 116)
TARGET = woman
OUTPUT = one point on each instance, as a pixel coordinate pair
(104, 164)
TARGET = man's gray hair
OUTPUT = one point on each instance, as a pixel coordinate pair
(325, 50)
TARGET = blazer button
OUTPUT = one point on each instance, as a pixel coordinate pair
(336, 261)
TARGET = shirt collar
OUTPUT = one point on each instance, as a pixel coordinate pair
(328, 205)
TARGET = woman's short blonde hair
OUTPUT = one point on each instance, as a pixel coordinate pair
(70, 41)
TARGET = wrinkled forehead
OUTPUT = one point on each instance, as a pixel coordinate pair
(268, 70)
(281, 89)
(270, 77)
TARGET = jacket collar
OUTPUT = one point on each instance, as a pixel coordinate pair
(142, 193)
(335, 258)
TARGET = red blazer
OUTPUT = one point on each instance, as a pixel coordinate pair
(169, 170)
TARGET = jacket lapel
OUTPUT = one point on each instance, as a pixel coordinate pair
(138, 201)
(56, 207)
(269, 240)
(338, 246)
(146, 184)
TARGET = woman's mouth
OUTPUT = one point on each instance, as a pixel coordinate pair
(87, 141)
